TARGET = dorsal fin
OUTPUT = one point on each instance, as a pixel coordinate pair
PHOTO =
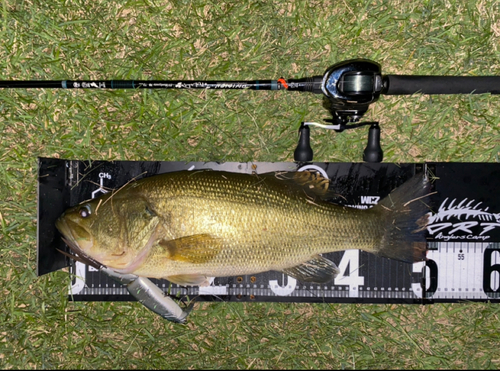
(312, 183)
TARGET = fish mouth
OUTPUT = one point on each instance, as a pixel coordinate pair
(78, 254)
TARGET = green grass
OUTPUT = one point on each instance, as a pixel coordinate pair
(240, 40)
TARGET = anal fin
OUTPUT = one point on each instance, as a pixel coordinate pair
(316, 270)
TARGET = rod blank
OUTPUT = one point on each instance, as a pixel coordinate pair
(142, 84)
(407, 85)
(393, 84)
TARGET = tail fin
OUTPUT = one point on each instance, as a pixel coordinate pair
(406, 213)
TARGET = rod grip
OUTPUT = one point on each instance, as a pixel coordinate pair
(407, 85)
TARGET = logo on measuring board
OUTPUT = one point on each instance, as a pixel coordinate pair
(466, 220)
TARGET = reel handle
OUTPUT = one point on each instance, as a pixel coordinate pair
(373, 151)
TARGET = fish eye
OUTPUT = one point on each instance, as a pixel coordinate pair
(84, 211)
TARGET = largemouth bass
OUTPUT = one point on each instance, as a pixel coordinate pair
(189, 226)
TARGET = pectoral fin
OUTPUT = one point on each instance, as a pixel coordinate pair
(316, 270)
(196, 249)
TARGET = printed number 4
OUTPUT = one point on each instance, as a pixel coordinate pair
(350, 260)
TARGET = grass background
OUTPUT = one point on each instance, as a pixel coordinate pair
(245, 40)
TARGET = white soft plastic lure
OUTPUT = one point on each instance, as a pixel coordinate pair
(150, 295)
(141, 288)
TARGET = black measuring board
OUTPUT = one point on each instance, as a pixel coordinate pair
(463, 234)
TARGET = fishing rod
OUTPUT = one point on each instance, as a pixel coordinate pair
(348, 88)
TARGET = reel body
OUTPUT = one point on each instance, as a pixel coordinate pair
(349, 88)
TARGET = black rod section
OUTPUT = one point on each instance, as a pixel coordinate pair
(143, 84)
(407, 85)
